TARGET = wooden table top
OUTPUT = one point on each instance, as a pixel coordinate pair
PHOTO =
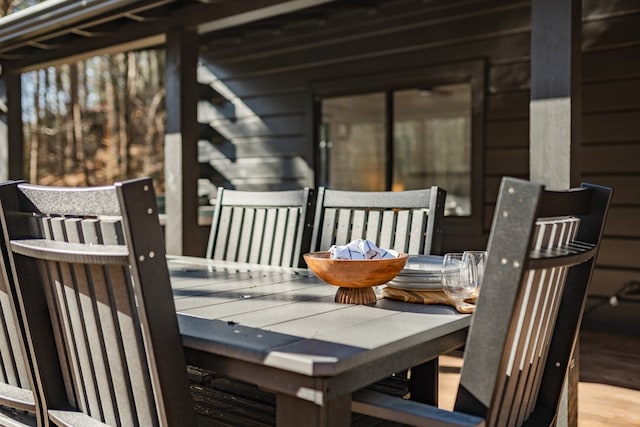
(287, 319)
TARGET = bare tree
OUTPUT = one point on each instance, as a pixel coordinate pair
(98, 120)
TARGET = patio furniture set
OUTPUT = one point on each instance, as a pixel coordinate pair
(99, 324)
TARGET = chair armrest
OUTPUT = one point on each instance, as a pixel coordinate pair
(73, 419)
(404, 411)
(17, 398)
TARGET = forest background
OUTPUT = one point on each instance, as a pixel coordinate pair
(94, 121)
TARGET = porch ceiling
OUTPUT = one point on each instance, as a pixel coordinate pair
(62, 30)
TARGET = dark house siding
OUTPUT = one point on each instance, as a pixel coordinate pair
(273, 66)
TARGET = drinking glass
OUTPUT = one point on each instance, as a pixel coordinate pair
(479, 260)
(459, 277)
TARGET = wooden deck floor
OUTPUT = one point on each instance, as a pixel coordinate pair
(609, 388)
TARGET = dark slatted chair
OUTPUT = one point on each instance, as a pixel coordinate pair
(406, 221)
(542, 249)
(268, 227)
(17, 400)
(93, 283)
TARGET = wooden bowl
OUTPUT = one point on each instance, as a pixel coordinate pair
(349, 273)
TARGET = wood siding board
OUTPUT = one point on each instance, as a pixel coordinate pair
(611, 158)
(491, 188)
(626, 187)
(243, 86)
(618, 30)
(263, 168)
(507, 162)
(508, 77)
(508, 105)
(269, 185)
(623, 222)
(488, 217)
(278, 103)
(595, 9)
(616, 95)
(611, 127)
(507, 134)
(611, 64)
(257, 147)
(261, 126)
(619, 252)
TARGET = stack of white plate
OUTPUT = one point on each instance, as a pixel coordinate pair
(422, 273)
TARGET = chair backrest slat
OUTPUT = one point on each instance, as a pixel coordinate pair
(532, 297)
(270, 241)
(270, 227)
(407, 221)
(13, 366)
(284, 255)
(108, 345)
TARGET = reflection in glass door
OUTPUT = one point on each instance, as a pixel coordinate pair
(428, 142)
(353, 146)
(432, 142)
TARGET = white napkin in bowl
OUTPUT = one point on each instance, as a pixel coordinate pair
(360, 249)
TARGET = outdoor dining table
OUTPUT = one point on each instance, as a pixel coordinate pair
(280, 328)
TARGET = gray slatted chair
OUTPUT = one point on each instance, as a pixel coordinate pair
(93, 284)
(267, 227)
(17, 400)
(406, 221)
(528, 314)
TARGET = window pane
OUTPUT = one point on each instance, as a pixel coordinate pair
(352, 146)
(432, 142)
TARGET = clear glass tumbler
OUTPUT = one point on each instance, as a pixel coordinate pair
(479, 260)
(459, 276)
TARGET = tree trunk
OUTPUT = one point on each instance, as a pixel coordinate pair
(76, 121)
(109, 103)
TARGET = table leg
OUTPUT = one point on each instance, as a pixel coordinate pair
(423, 384)
(291, 411)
